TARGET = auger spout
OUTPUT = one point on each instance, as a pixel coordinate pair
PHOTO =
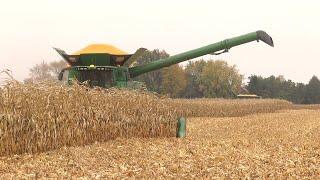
(224, 46)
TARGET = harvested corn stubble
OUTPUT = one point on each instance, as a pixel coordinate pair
(45, 116)
(281, 145)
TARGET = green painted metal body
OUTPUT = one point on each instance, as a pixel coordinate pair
(222, 45)
(104, 70)
(103, 76)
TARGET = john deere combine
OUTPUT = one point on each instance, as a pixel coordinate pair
(108, 66)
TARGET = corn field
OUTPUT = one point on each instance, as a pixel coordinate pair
(41, 117)
(227, 108)
(281, 145)
(99, 133)
(47, 116)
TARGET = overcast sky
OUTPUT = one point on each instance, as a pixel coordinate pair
(29, 30)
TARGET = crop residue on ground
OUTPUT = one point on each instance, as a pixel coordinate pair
(270, 145)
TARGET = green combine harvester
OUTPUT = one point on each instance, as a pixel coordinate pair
(107, 66)
(110, 67)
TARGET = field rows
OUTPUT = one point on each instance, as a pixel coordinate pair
(268, 145)
(205, 107)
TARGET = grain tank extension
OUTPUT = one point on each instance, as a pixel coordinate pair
(108, 67)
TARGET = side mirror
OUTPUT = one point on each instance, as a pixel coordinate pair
(60, 76)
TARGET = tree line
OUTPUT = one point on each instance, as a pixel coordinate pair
(212, 79)
(197, 79)
(279, 87)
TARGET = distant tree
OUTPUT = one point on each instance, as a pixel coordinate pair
(288, 90)
(313, 91)
(56, 66)
(218, 79)
(153, 80)
(255, 84)
(173, 81)
(193, 72)
(271, 87)
(299, 94)
(279, 87)
(45, 71)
